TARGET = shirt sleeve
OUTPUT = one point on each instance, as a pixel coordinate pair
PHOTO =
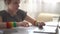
(23, 14)
(0, 13)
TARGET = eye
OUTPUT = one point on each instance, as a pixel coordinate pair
(15, 3)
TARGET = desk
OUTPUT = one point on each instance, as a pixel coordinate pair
(31, 30)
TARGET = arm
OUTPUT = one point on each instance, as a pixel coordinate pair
(0, 19)
(4, 26)
(31, 20)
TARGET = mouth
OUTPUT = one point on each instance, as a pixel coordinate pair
(16, 8)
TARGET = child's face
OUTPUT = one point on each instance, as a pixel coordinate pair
(14, 5)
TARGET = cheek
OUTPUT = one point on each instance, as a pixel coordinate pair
(15, 6)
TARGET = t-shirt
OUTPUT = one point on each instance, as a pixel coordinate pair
(6, 17)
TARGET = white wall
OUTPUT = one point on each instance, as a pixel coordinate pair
(35, 7)
(2, 5)
(30, 7)
(51, 6)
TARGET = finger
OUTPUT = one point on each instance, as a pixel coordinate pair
(27, 25)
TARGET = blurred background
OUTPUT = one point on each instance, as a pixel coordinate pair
(42, 10)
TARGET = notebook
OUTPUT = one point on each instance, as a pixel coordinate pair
(46, 29)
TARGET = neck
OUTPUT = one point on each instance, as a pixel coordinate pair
(12, 12)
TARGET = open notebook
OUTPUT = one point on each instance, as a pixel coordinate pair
(54, 24)
(50, 27)
(46, 29)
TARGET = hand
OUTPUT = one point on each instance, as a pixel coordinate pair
(41, 24)
(24, 24)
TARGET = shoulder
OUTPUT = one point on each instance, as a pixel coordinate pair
(2, 12)
(21, 11)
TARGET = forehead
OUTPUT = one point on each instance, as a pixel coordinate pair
(18, 1)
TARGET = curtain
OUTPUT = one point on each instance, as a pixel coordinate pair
(35, 7)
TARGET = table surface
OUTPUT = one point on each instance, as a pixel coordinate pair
(58, 30)
(32, 30)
